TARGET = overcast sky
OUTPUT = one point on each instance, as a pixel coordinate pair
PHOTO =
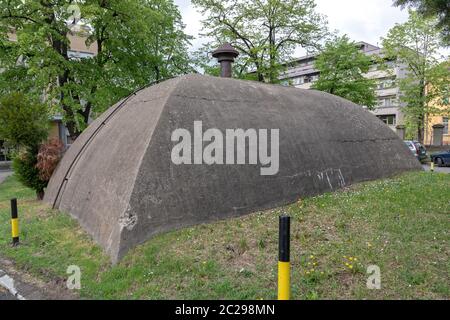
(361, 20)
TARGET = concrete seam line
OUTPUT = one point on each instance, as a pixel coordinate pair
(119, 106)
(8, 283)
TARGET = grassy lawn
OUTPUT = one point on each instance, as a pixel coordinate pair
(401, 225)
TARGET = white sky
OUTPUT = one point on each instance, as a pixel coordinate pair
(361, 20)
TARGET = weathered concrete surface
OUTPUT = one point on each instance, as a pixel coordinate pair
(119, 181)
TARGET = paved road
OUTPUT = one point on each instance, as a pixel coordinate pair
(437, 169)
(6, 286)
(4, 174)
(5, 295)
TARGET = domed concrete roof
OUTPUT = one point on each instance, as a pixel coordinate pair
(121, 183)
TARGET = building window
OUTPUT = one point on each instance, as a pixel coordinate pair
(389, 119)
(445, 122)
(77, 55)
(386, 102)
(307, 79)
(386, 83)
(297, 81)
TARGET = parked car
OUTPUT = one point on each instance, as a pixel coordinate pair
(441, 158)
(417, 149)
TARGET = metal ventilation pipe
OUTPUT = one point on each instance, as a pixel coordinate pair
(225, 55)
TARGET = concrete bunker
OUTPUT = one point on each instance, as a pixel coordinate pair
(119, 181)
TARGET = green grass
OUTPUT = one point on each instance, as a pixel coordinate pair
(400, 224)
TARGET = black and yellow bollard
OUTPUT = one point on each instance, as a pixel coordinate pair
(14, 223)
(284, 264)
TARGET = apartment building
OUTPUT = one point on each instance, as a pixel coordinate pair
(302, 74)
(442, 119)
(77, 38)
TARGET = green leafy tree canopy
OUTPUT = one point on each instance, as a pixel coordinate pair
(439, 9)
(415, 45)
(138, 41)
(23, 122)
(265, 32)
(342, 67)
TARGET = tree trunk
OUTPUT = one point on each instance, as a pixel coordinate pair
(420, 130)
(40, 195)
(260, 77)
(272, 56)
(62, 48)
(419, 133)
(421, 118)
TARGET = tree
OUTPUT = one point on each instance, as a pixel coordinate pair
(415, 45)
(342, 67)
(439, 9)
(24, 124)
(139, 41)
(265, 32)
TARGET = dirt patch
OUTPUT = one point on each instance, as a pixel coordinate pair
(32, 288)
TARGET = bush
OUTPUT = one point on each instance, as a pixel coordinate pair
(24, 125)
(24, 165)
(48, 157)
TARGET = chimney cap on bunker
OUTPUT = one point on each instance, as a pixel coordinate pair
(225, 52)
(225, 55)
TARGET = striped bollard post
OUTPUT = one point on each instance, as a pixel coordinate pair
(14, 223)
(284, 264)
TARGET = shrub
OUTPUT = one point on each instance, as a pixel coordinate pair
(24, 165)
(48, 157)
(24, 125)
